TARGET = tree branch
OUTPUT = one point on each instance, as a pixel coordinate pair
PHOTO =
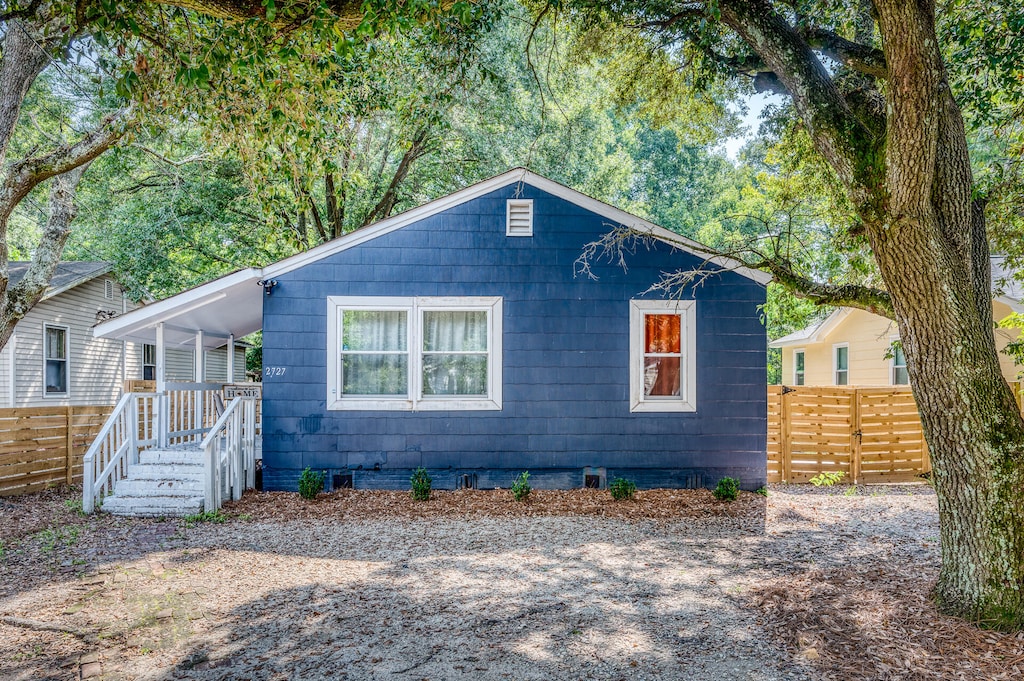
(417, 148)
(17, 300)
(25, 12)
(195, 158)
(862, 58)
(852, 148)
(24, 175)
(868, 298)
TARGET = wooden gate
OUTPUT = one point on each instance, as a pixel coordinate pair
(871, 435)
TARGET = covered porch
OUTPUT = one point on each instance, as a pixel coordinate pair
(173, 447)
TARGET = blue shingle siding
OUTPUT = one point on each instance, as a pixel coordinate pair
(565, 361)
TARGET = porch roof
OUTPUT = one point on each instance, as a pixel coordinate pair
(225, 307)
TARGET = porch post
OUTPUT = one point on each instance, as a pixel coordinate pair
(161, 405)
(200, 370)
(199, 396)
(231, 359)
(161, 359)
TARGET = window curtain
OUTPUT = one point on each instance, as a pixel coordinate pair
(662, 355)
(374, 352)
(454, 353)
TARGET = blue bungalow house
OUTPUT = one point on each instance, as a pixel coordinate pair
(459, 336)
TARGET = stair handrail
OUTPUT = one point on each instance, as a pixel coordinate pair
(115, 447)
(223, 447)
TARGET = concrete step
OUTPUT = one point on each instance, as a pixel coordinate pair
(153, 471)
(186, 456)
(173, 487)
(153, 506)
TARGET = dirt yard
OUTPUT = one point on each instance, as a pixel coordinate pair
(806, 584)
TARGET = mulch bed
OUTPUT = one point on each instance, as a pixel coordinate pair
(878, 623)
(660, 504)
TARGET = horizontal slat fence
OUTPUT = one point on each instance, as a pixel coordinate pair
(43, 446)
(871, 435)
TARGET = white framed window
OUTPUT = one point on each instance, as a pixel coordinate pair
(414, 353)
(841, 363)
(662, 355)
(519, 217)
(148, 362)
(799, 366)
(898, 363)
(55, 361)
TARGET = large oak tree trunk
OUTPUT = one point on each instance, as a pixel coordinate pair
(932, 251)
(907, 172)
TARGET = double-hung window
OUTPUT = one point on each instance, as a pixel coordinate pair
(841, 364)
(414, 353)
(55, 360)
(799, 366)
(662, 355)
(148, 362)
(899, 364)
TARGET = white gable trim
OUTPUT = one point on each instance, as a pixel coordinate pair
(479, 189)
(167, 309)
(816, 333)
(77, 282)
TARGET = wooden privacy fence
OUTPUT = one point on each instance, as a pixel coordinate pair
(870, 435)
(43, 446)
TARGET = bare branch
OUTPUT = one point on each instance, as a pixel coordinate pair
(195, 158)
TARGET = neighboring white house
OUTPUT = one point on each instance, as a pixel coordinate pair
(53, 358)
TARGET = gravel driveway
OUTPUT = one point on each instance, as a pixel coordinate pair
(287, 590)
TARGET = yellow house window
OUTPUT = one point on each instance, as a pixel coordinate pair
(841, 364)
(899, 365)
(798, 367)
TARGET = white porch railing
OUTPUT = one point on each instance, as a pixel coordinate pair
(229, 453)
(186, 416)
(191, 409)
(128, 430)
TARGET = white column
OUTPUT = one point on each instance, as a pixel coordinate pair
(200, 375)
(161, 359)
(161, 406)
(231, 359)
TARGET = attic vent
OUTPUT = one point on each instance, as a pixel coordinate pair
(520, 218)
(108, 289)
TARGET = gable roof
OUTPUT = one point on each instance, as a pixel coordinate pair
(815, 333)
(232, 304)
(67, 275)
(516, 175)
(1005, 289)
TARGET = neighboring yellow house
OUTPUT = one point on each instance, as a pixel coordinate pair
(849, 347)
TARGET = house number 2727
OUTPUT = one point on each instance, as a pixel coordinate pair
(274, 371)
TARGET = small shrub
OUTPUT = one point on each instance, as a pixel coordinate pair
(205, 517)
(763, 491)
(622, 489)
(851, 491)
(727, 490)
(827, 479)
(420, 484)
(311, 483)
(521, 487)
